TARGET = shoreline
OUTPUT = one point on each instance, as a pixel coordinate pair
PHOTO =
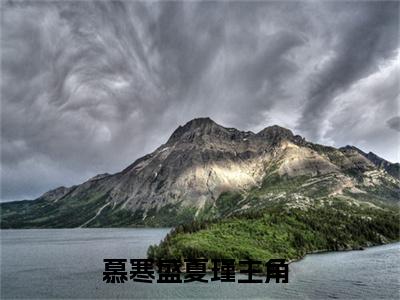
(260, 274)
(318, 251)
(325, 251)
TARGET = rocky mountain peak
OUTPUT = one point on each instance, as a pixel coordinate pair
(201, 129)
(352, 148)
(276, 133)
(197, 128)
(200, 123)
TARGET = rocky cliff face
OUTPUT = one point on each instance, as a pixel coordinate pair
(202, 162)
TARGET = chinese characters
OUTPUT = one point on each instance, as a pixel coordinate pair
(170, 271)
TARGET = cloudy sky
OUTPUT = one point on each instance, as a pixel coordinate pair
(88, 87)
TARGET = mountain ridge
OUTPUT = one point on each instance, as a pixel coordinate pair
(199, 163)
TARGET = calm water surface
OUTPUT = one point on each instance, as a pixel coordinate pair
(68, 263)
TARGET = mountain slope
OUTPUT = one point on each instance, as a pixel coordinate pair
(392, 169)
(206, 171)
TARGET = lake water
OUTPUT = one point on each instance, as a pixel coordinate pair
(68, 263)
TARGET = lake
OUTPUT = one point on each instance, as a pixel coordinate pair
(68, 263)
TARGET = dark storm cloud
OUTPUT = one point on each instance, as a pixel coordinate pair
(394, 123)
(89, 86)
(370, 36)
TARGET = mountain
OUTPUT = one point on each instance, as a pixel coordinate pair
(207, 172)
(392, 169)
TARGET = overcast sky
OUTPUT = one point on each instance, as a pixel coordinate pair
(88, 87)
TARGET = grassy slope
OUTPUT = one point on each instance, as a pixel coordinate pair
(72, 212)
(66, 213)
